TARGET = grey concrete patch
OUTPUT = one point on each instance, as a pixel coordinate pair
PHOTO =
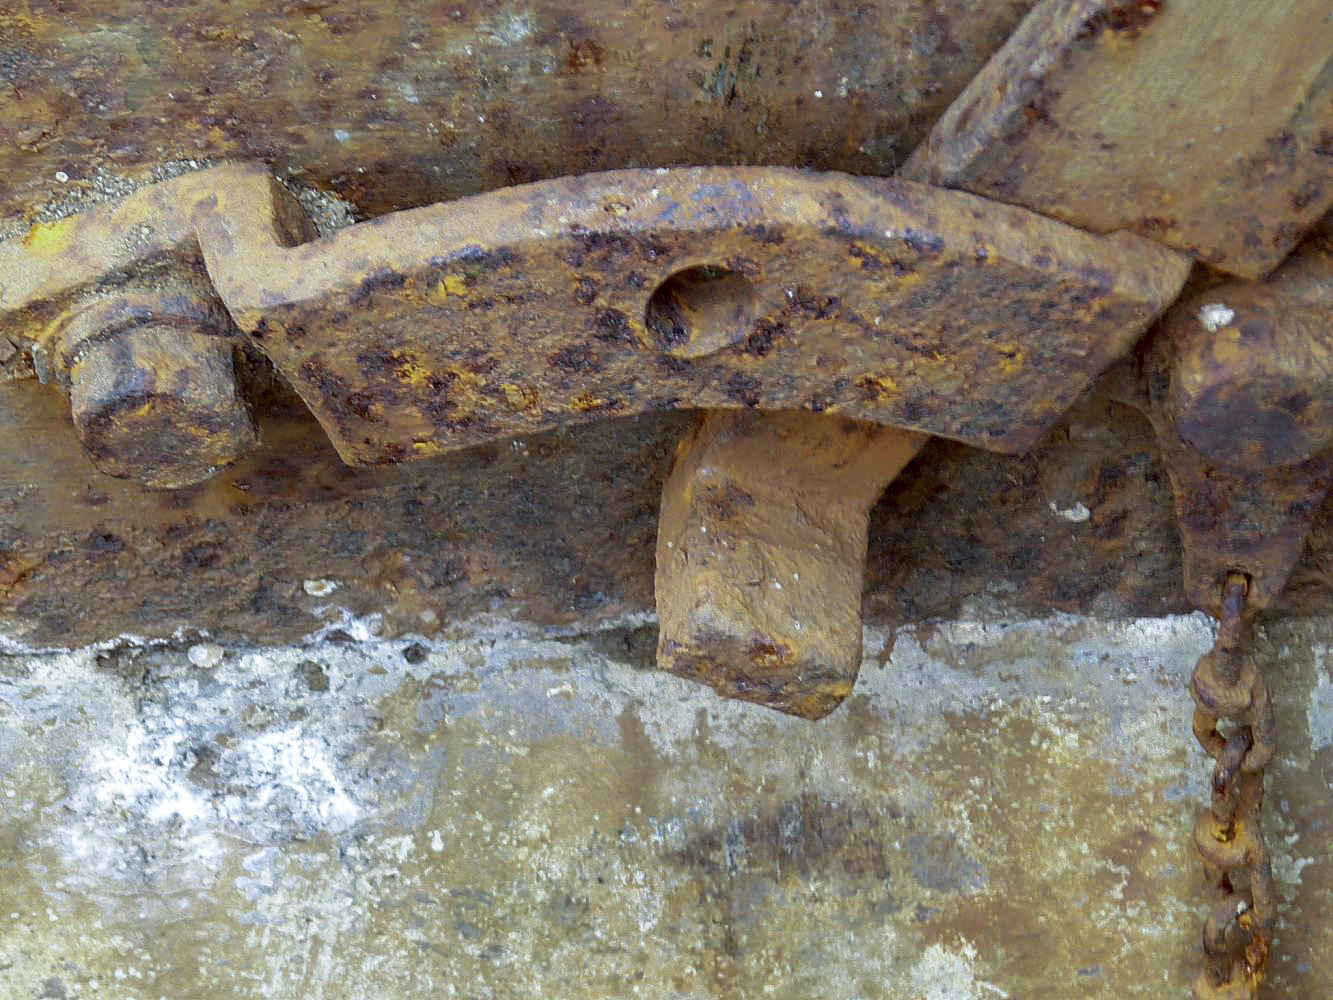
(1000, 810)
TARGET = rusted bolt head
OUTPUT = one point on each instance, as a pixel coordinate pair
(153, 387)
(1252, 375)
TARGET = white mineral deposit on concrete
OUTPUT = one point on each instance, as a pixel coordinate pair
(519, 806)
(206, 655)
(943, 974)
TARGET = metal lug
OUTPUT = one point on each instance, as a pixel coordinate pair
(761, 553)
(152, 384)
(1238, 390)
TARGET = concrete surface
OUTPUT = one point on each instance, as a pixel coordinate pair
(999, 811)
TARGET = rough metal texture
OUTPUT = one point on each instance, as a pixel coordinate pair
(761, 554)
(404, 105)
(1236, 383)
(1214, 119)
(634, 291)
(541, 529)
(544, 816)
(886, 302)
(1251, 365)
(1149, 104)
(153, 384)
(553, 528)
(433, 329)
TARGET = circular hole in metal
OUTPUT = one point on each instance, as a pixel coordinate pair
(701, 310)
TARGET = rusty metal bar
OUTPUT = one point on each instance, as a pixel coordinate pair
(627, 292)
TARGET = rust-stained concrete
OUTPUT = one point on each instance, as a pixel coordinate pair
(1001, 809)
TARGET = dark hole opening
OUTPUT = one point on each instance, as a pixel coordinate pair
(701, 310)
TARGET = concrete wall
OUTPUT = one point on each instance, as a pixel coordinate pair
(1000, 810)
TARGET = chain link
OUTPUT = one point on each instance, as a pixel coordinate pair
(1227, 685)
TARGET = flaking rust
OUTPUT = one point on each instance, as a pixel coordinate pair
(633, 291)
(1236, 384)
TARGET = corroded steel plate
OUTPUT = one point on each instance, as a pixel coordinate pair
(636, 291)
(527, 308)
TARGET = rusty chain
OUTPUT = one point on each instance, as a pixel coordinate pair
(1227, 685)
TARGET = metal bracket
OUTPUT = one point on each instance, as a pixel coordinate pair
(761, 553)
(626, 292)
(1238, 384)
(1093, 112)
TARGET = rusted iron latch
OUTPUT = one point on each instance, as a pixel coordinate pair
(575, 299)
(1094, 112)
(911, 309)
(1236, 382)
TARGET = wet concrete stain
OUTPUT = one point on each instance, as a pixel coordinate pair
(1001, 810)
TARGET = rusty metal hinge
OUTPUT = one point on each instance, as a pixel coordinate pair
(571, 300)
(900, 308)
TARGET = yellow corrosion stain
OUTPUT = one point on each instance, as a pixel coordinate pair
(219, 137)
(903, 283)
(520, 397)
(881, 385)
(585, 402)
(1227, 350)
(773, 656)
(1011, 359)
(463, 381)
(50, 239)
(864, 251)
(414, 374)
(13, 570)
(450, 284)
(463, 390)
(427, 448)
